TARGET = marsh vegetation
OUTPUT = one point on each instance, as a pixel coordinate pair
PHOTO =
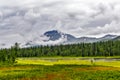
(86, 61)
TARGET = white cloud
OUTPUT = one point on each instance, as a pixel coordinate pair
(30, 18)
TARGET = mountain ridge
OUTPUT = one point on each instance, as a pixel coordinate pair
(56, 37)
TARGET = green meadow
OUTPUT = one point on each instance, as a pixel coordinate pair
(65, 68)
(69, 61)
(85, 61)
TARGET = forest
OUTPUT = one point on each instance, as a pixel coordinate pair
(108, 48)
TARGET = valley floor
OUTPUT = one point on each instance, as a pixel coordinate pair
(61, 69)
(102, 61)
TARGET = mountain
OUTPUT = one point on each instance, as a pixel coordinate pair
(55, 37)
(107, 37)
(87, 39)
(117, 38)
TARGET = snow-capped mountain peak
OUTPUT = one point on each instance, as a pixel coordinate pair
(53, 37)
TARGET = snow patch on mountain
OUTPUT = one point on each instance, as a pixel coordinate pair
(48, 38)
(53, 37)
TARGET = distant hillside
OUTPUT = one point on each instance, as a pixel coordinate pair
(56, 37)
(117, 38)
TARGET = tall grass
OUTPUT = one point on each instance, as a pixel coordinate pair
(59, 72)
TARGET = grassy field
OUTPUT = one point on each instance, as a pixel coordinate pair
(60, 69)
(67, 61)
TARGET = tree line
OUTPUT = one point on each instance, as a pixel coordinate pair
(108, 48)
(9, 55)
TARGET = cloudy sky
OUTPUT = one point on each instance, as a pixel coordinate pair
(77, 17)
